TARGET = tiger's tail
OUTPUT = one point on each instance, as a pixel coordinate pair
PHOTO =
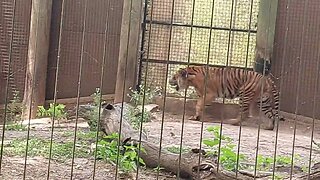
(276, 95)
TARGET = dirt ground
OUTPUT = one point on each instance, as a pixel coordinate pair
(37, 167)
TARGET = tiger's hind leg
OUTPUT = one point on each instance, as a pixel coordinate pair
(267, 109)
(245, 100)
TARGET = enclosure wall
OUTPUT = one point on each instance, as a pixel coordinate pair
(97, 38)
(98, 13)
(299, 56)
(20, 40)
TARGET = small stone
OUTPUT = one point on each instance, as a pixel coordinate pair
(149, 107)
(37, 121)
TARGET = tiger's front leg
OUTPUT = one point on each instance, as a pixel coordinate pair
(200, 105)
(199, 110)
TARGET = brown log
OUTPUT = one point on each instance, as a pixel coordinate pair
(110, 123)
(313, 176)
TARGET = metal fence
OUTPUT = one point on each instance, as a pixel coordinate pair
(175, 33)
(218, 32)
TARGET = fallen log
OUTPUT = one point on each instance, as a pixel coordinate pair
(189, 166)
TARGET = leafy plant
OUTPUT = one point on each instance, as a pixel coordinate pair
(58, 111)
(144, 93)
(15, 127)
(228, 158)
(157, 169)
(128, 155)
(15, 107)
(136, 114)
(264, 163)
(283, 160)
(93, 115)
(136, 117)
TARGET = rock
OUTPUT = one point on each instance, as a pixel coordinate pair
(149, 107)
(37, 121)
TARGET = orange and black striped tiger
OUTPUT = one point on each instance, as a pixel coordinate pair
(231, 83)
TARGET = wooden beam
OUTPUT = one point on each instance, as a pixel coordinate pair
(129, 48)
(36, 73)
(265, 33)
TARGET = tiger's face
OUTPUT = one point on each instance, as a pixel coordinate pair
(180, 79)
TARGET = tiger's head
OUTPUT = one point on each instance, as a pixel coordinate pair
(181, 79)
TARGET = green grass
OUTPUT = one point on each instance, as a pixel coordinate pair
(16, 127)
(61, 151)
(81, 136)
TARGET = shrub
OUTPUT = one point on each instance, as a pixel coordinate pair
(14, 108)
(57, 111)
(107, 149)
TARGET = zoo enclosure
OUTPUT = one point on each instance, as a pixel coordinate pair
(235, 23)
(292, 40)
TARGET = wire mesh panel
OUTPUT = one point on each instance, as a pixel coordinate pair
(94, 40)
(157, 39)
(20, 15)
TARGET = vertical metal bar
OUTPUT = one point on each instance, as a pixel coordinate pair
(185, 91)
(8, 82)
(144, 29)
(224, 79)
(299, 81)
(123, 92)
(166, 79)
(145, 83)
(233, 21)
(29, 116)
(246, 66)
(56, 86)
(205, 86)
(284, 56)
(79, 84)
(106, 42)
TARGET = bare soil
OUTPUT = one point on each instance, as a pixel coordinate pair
(171, 130)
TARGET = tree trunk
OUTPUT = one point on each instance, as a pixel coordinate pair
(110, 121)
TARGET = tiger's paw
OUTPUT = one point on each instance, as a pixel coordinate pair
(234, 122)
(194, 118)
(269, 127)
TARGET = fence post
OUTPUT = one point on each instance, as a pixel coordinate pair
(265, 34)
(129, 48)
(36, 73)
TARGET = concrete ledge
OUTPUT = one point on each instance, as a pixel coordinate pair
(214, 112)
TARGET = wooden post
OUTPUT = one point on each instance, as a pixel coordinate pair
(129, 48)
(36, 73)
(265, 35)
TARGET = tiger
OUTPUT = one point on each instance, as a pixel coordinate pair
(252, 88)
